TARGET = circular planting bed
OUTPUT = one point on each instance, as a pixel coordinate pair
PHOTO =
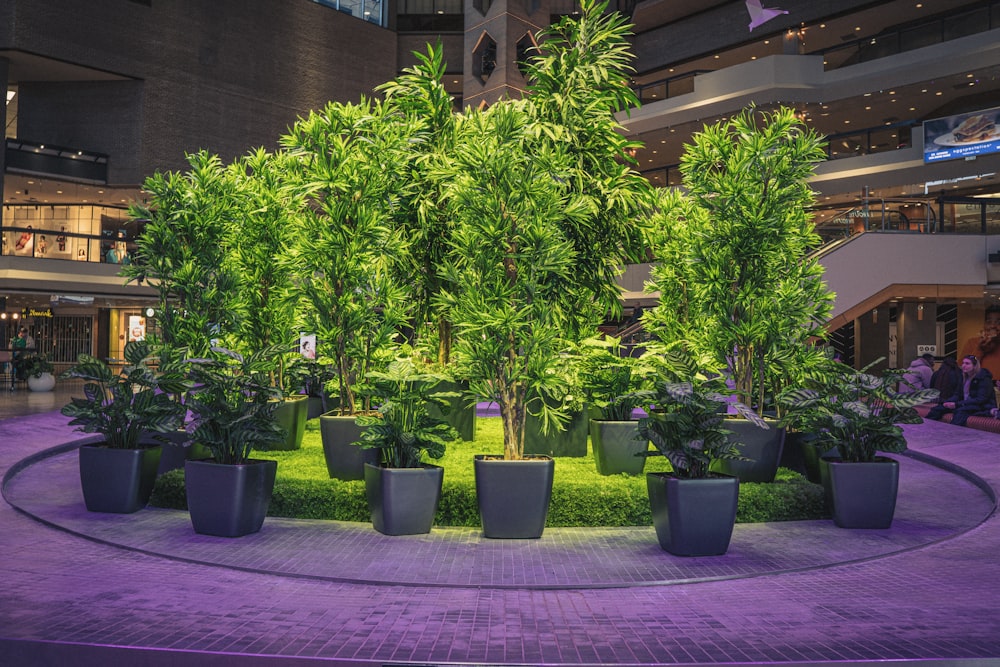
(580, 497)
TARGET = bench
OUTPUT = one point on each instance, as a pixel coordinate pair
(978, 423)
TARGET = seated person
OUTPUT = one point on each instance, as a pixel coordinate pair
(974, 395)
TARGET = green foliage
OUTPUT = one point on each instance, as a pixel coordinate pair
(580, 497)
(347, 166)
(233, 403)
(687, 422)
(419, 94)
(34, 365)
(735, 276)
(124, 404)
(508, 261)
(580, 77)
(609, 380)
(182, 252)
(404, 430)
(855, 411)
(257, 240)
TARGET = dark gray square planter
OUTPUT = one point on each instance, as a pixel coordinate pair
(513, 496)
(118, 481)
(572, 441)
(344, 460)
(291, 414)
(461, 415)
(762, 448)
(862, 495)
(403, 501)
(693, 517)
(228, 500)
(617, 446)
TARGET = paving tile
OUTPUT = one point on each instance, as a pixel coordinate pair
(786, 593)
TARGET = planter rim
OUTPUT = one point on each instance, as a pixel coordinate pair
(710, 475)
(498, 458)
(249, 462)
(103, 444)
(422, 466)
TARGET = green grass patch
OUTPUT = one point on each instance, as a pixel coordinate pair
(580, 497)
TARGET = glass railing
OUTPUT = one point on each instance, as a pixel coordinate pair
(900, 39)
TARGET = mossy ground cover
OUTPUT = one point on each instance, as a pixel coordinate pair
(580, 497)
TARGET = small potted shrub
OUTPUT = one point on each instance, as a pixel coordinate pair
(859, 414)
(232, 402)
(694, 509)
(39, 371)
(403, 490)
(122, 405)
(612, 384)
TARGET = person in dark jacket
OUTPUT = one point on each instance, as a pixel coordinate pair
(946, 379)
(975, 394)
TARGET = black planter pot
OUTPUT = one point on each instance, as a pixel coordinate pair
(228, 500)
(344, 460)
(762, 448)
(862, 495)
(316, 407)
(572, 441)
(693, 517)
(177, 448)
(291, 414)
(617, 446)
(513, 496)
(460, 415)
(118, 481)
(403, 501)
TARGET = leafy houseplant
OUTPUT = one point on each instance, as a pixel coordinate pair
(122, 405)
(694, 509)
(859, 414)
(233, 404)
(612, 383)
(735, 276)
(36, 364)
(403, 491)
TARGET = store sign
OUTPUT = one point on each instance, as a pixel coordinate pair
(926, 349)
(36, 312)
(962, 136)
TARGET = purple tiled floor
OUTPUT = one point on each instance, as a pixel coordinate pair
(792, 593)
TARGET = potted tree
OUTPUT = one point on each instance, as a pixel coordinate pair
(735, 276)
(346, 169)
(693, 507)
(402, 489)
(535, 188)
(39, 371)
(117, 474)
(257, 241)
(232, 403)
(859, 413)
(612, 383)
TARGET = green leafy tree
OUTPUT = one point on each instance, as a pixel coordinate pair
(182, 253)
(258, 237)
(735, 275)
(420, 95)
(347, 168)
(579, 79)
(506, 272)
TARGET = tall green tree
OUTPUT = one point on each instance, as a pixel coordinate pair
(579, 79)
(736, 278)
(509, 262)
(257, 242)
(182, 252)
(347, 168)
(419, 94)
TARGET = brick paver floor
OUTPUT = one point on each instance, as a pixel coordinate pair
(81, 588)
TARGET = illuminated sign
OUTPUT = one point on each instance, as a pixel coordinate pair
(962, 136)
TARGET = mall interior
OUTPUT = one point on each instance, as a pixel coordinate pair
(98, 99)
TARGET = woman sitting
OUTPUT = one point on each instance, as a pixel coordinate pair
(974, 395)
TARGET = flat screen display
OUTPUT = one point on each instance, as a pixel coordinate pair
(962, 135)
